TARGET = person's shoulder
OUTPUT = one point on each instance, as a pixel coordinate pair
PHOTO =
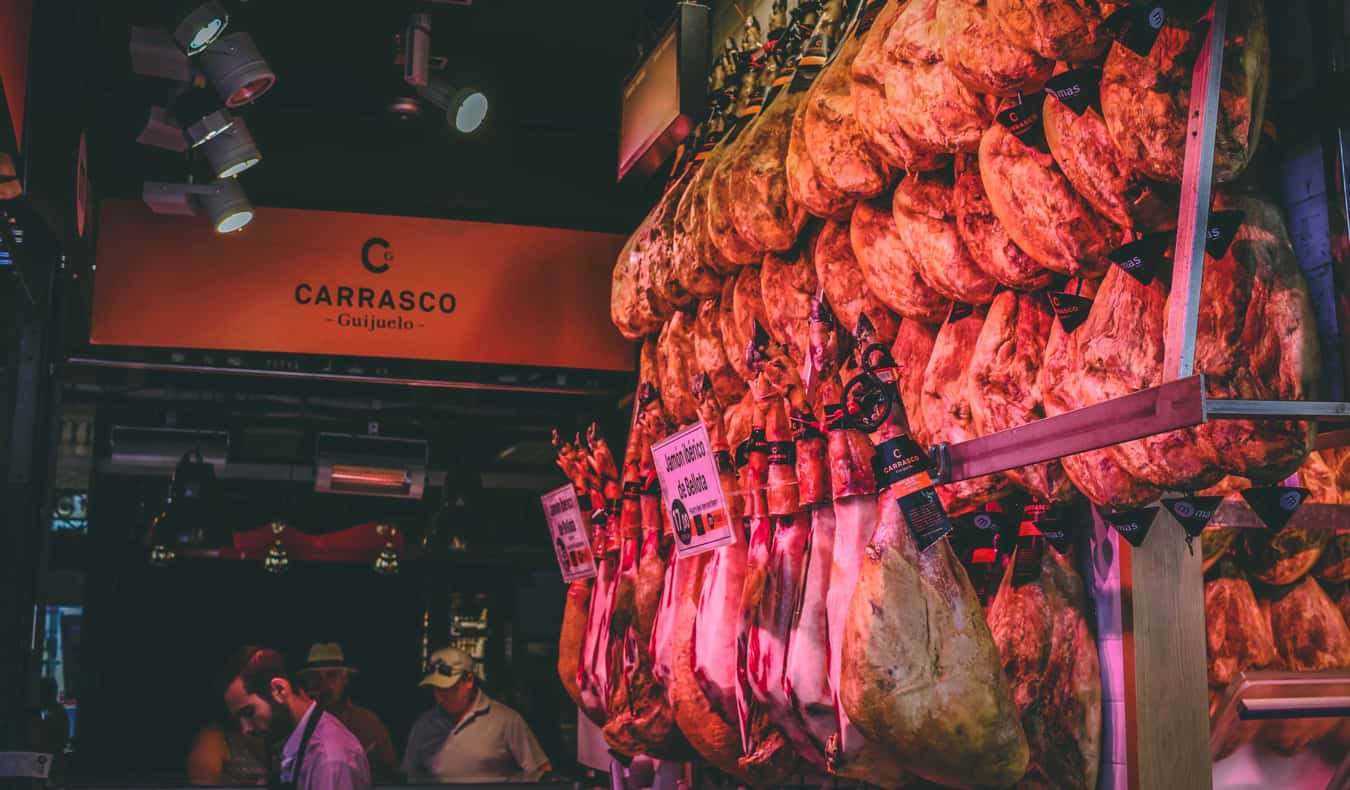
(362, 714)
(336, 735)
(425, 721)
(504, 712)
(210, 736)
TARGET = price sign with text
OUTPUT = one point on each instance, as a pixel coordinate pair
(687, 470)
(568, 528)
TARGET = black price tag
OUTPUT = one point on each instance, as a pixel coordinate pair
(631, 489)
(1142, 257)
(1027, 560)
(1223, 227)
(810, 64)
(960, 310)
(923, 512)
(1076, 89)
(1133, 525)
(1193, 512)
(899, 459)
(1071, 309)
(1024, 119)
(1137, 26)
(782, 454)
(1275, 505)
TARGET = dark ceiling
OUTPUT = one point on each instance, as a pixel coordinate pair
(547, 155)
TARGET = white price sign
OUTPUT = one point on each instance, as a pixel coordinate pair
(687, 469)
(568, 528)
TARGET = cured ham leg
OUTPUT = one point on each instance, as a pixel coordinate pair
(853, 488)
(708, 719)
(1041, 628)
(577, 604)
(921, 673)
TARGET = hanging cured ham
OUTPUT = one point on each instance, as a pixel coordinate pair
(926, 225)
(987, 241)
(1055, 29)
(1003, 388)
(926, 680)
(1146, 100)
(1238, 638)
(947, 409)
(1310, 635)
(1041, 210)
(1042, 630)
(888, 269)
(1096, 473)
(846, 291)
(981, 56)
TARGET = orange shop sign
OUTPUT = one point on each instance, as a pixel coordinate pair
(323, 282)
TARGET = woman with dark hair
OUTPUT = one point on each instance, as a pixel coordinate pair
(221, 754)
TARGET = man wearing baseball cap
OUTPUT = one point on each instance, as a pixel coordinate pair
(467, 736)
(327, 677)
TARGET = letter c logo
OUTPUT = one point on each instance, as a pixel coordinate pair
(370, 244)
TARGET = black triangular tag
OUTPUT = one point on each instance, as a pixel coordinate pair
(1024, 119)
(1193, 512)
(1137, 26)
(1133, 525)
(1275, 505)
(1071, 309)
(1223, 226)
(1056, 530)
(1076, 89)
(1142, 257)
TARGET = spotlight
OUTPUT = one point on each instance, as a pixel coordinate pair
(417, 50)
(232, 151)
(465, 109)
(223, 201)
(205, 126)
(237, 69)
(200, 26)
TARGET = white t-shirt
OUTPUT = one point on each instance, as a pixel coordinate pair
(491, 743)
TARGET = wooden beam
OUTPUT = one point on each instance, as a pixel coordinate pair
(1167, 700)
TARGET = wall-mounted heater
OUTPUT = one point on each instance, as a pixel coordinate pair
(371, 466)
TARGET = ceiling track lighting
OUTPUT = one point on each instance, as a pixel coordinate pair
(223, 201)
(465, 108)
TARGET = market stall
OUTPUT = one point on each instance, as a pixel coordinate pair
(1037, 257)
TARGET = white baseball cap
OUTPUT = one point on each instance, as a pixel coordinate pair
(447, 667)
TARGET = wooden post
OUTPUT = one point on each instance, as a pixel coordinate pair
(1166, 693)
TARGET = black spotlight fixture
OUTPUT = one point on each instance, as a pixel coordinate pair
(236, 68)
(223, 201)
(465, 108)
(197, 24)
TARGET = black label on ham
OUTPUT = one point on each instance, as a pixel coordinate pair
(1052, 524)
(804, 427)
(836, 419)
(1076, 89)
(1275, 505)
(899, 459)
(1024, 119)
(811, 63)
(1133, 525)
(1071, 309)
(1141, 258)
(960, 310)
(924, 514)
(1137, 26)
(631, 489)
(782, 453)
(1027, 560)
(1193, 512)
(650, 485)
(902, 467)
(781, 80)
(724, 459)
(1223, 226)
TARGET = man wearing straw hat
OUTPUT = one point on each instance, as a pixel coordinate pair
(327, 677)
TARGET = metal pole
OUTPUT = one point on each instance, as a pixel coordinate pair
(1188, 261)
